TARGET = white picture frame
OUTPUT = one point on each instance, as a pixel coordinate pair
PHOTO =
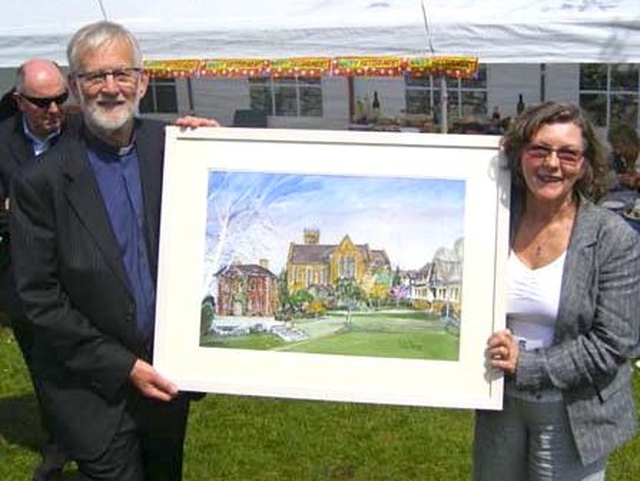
(192, 155)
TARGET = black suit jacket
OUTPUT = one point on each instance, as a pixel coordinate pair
(16, 151)
(75, 290)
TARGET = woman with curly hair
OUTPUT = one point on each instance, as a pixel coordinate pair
(573, 297)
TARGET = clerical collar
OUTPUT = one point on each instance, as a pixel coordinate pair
(98, 145)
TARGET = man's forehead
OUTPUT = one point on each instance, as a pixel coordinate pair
(36, 79)
(111, 51)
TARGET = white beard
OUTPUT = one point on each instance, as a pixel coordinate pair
(110, 120)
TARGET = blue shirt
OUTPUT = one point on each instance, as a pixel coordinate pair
(118, 176)
(38, 145)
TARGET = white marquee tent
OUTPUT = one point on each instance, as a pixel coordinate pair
(495, 31)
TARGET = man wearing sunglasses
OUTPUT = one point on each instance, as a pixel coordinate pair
(39, 94)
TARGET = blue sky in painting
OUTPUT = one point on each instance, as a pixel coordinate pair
(256, 215)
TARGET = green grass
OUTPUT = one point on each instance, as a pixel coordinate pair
(233, 438)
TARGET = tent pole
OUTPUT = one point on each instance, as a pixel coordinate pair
(351, 94)
(104, 12)
(543, 82)
(444, 110)
(190, 96)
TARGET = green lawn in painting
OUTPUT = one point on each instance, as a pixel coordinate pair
(440, 346)
(404, 334)
(254, 341)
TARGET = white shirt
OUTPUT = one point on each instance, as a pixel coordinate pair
(533, 296)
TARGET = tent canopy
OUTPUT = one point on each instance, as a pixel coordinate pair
(494, 31)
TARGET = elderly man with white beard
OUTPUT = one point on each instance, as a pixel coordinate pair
(85, 230)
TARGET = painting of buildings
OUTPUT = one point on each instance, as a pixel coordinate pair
(246, 290)
(334, 277)
(314, 264)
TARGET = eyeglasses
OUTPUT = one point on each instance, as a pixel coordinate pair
(566, 155)
(45, 102)
(125, 77)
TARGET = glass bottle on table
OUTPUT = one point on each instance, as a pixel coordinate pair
(520, 106)
(376, 101)
(375, 106)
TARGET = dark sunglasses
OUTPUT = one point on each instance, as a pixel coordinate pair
(45, 102)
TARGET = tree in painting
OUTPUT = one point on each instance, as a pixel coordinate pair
(239, 225)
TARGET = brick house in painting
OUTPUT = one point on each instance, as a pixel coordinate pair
(246, 290)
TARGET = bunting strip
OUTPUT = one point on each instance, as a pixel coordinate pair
(234, 67)
(452, 66)
(173, 68)
(368, 66)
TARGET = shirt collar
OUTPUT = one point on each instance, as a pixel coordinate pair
(39, 144)
(107, 151)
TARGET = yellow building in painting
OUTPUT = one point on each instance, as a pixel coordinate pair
(314, 264)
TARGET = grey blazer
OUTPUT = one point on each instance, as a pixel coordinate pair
(595, 333)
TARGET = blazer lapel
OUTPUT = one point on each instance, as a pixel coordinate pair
(577, 266)
(20, 147)
(150, 161)
(85, 199)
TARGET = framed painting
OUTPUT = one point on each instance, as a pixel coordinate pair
(332, 265)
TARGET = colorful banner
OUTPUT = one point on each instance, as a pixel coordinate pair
(235, 67)
(457, 67)
(300, 67)
(173, 68)
(368, 66)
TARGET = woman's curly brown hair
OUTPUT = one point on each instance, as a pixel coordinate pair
(593, 183)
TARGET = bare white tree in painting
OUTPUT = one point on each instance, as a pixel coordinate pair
(240, 227)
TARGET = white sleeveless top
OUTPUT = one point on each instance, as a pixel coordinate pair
(533, 296)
